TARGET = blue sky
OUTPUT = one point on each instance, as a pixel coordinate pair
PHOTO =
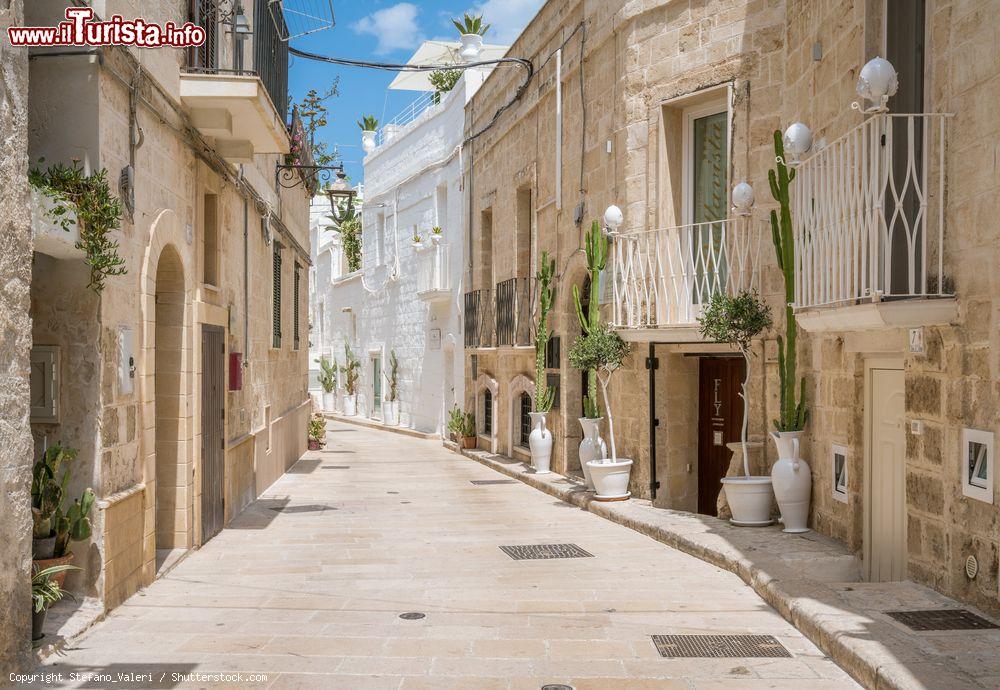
(385, 31)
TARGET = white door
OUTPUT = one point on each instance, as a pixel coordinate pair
(885, 495)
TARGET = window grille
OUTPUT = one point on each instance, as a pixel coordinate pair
(276, 293)
(295, 306)
(525, 426)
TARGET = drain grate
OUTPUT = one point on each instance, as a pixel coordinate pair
(309, 508)
(490, 482)
(525, 552)
(412, 616)
(718, 646)
(942, 619)
(335, 467)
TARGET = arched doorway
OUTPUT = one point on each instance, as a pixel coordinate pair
(172, 492)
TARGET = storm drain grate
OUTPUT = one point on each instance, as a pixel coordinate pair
(308, 508)
(339, 452)
(718, 646)
(490, 482)
(524, 552)
(335, 467)
(941, 619)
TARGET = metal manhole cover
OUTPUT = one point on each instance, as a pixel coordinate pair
(489, 482)
(412, 616)
(718, 646)
(557, 686)
(942, 619)
(310, 508)
(335, 467)
(524, 552)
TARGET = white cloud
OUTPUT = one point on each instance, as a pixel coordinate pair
(394, 27)
(507, 17)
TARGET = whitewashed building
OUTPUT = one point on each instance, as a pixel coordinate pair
(405, 298)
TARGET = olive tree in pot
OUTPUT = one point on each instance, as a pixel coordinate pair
(604, 351)
(540, 438)
(737, 320)
(352, 370)
(328, 380)
(390, 407)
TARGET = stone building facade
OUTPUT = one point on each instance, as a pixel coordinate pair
(183, 384)
(900, 369)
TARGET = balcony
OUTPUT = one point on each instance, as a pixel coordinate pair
(479, 322)
(661, 278)
(433, 279)
(240, 107)
(868, 214)
(515, 312)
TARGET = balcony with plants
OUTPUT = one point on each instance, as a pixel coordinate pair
(433, 279)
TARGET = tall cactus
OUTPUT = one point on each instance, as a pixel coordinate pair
(597, 249)
(793, 414)
(544, 396)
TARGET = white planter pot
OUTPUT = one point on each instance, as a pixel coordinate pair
(792, 480)
(390, 412)
(540, 443)
(435, 239)
(592, 447)
(472, 47)
(350, 405)
(368, 140)
(610, 479)
(749, 500)
(328, 401)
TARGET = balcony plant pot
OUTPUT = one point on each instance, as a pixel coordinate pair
(435, 239)
(43, 548)
(611, 479)
(592, 447)
(472, 47)
(37, 623)
(749, 500)
(469, 442)
(350, 405)
(328, 401)
(540, 443)
(368, 140)
(59, 578)
(390, 412)
(792, 481)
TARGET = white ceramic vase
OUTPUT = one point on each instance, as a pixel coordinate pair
(749, 500)
(390, 412)
(368, 140)
(540, 443)
(328, 401)
(472, 46)
(610, 478)
(792, 481)
(592, 447)
(350, 405)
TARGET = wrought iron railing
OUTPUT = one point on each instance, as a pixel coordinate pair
(868, 213)
(515, 311)
(663, 277)
(479, 321)
(411, 112)
(432, 270)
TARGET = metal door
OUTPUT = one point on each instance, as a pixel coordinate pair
(377, 386)
(720, 418)
(885, 490)
(213, 413)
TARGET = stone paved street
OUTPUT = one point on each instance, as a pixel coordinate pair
(380, 524)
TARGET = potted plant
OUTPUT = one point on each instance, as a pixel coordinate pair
(592, 447)
(540, 438)
(471, 31)
(737, 320)
(462, 426)
(390, 407)
(317, 432)
(368, 125)
(417, 241)
(45, 591)
(436, 235)
(604, 351)
(54, 528)
(328, 380)
(790, 475)
(352, 370)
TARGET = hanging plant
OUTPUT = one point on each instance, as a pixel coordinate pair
(96, 210)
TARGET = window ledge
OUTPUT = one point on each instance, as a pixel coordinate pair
(911, 313)
(347, 277)
(210, 287)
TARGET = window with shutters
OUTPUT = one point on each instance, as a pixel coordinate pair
(295, 307)
(276, 296)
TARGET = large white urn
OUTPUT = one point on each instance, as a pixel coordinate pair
(540, 443)
(592, 447)
(792, 480)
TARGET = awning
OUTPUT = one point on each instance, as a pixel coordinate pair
(433, 53)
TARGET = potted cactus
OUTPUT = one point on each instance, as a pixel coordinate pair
(368, 125)
(351, 370)
(540, 438)
(390, 406)
(462, 426)
(471, 30)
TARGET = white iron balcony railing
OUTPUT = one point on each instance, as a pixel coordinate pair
(663, 277)
(416, 108)
(432, 271)
(868, 214)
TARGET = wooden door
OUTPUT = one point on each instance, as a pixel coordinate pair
(720, 418)
(885, 491)
(213, 415)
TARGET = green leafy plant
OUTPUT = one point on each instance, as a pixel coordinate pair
(75, 524)
(471, 24)
(544, 396)
(48, 489)
(44, 590)
(436, 230)
(461, 423)
(601, 350)
(443, 81)
(737, 320)
(368, 123)
(97, 211)
(352, 370)
(417, 239)
(317, 428)
(597, 248)
(392, 392)
(327, 374)
(793, 413)
(349, 230)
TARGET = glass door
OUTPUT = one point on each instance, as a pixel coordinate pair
(377, 386)
(708, 139)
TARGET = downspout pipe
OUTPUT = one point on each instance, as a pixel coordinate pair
(246, 283)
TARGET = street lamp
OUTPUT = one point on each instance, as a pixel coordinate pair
(338, 191)
(877, 82)
(613, 219)
(742, 198)
(798, 140)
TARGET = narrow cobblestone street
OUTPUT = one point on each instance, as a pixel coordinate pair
(308, 584)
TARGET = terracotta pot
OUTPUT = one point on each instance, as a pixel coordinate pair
(43, 563)
(315, 445)
(469, 442)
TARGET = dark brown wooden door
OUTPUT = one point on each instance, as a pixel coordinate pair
(720, 417)
(213, 413)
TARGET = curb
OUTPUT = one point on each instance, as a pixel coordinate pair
(370, 424)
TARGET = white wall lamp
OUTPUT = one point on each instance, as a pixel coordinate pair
(613, 219)
(877, 82)
(743, 199)
(798, 140)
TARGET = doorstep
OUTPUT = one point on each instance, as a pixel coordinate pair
(813, 582)
(375, 424)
